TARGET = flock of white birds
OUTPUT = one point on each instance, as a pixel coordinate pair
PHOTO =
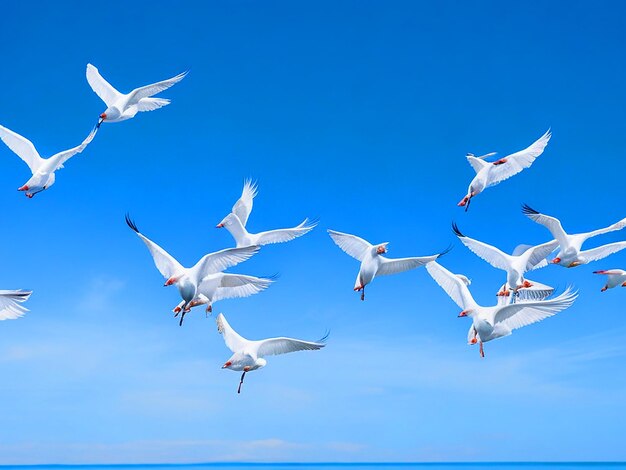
(520, 301)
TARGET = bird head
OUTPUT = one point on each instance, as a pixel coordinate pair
(382, 248)
(466, 313)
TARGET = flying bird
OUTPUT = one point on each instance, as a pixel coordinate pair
(221, 286)
(373, 263)
(570, 252)
(10, 301)
(489, 323)
(491, 173)
(188, 280)
(614, 278)
(124, 106)
(42, 168)
(235, 223)
(249, 355)
(524, 258)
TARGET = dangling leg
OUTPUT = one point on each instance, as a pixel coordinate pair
(182, 317)
(241, 381)
(468, 203)
(363, 293)
(482, 351)
(209, 309)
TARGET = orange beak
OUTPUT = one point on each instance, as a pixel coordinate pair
(23, 188)
(556, 260)
(219, 225)
(103, 116)
(170, 281)
(228, 364)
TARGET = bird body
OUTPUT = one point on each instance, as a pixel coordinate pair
(42, 169)
(249, 355)
(372, 262)
(491, 173)
(614, 278)
(494, 322)
(523, 259)
(570, 252)
(221, 285)
(188, 280)
(236, 221)
(120, 106)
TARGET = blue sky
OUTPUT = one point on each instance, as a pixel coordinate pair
(359, 113)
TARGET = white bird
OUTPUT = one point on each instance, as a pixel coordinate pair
(235, 223)
(10, 301)
(248, 355)
(614, 278)
(124, 106)
(220, 286)
(187, 280)
(537, 291)
(570, 253)
(491, 173)
(500, 320)
(42, 168)
(524, 258)
(372, 262)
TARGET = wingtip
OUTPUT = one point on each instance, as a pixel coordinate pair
(457, 232)
(527, 210)
(445, 252)
(323, 340)
(131, 223)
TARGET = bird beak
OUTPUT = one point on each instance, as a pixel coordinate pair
(23, 188)
(228, 364)
(103, 116)
(556, 260)
(463, 313)
(219, 225)
(169, 282)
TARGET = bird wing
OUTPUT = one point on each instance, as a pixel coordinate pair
(62, 157)
(477, 162)
(551, 223)
(101, 87)
(398, 265)
(238, 285)
(454, 286)
(233, 340)
(611, 228)
(521, 314)
(22, 147)
(285, 234)
(165, 263)
(243, 206)
(351, 244)
(490, 254)
(9, 303)
(603, 251)
(282, 345)
(220, 260)
(154, 88)
(537, 254)
(517, 161)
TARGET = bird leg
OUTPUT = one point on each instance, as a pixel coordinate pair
(482, 351)
(209, 310)
(606, 287)
(182, 317)
(363, 293)
(504, 293)
(469, 199)
(241, 381)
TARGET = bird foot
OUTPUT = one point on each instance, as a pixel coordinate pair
(29, 195)
(504, 293)
(605, 288)
(526, 285)
(176, 310)
(463, 201)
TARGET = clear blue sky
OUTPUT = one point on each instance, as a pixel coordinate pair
(359, 113)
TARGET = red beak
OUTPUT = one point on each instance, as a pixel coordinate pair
(228, 364)
(556, 260)
(103, 116)
(170, 281)
(463, 202)
(463, 313)
(23, 188)
(219, 225)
